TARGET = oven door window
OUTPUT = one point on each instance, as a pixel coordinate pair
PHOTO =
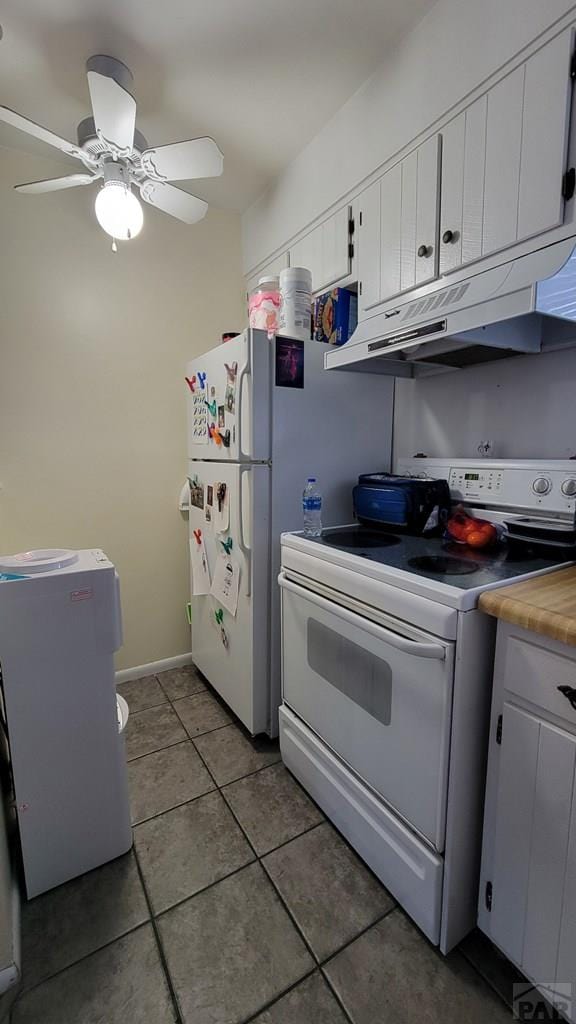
(361, 675)
(380, 698)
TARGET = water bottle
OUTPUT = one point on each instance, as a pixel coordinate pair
(312, 509)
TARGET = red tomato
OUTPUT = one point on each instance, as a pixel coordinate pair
(478, 539)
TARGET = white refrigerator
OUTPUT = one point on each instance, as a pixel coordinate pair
(263, 415)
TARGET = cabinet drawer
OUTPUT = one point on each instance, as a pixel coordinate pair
(535, 673)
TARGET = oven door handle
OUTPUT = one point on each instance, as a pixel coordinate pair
(401, 643)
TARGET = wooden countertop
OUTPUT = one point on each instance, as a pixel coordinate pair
(546, 604)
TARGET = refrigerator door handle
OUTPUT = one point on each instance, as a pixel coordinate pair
(243, 373)
(241, 541)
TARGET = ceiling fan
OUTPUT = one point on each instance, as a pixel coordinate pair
(112, 149)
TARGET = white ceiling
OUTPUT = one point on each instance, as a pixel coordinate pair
(260, 76)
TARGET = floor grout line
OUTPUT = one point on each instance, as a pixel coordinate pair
(159, 946)
(276, 999)
(86, 956)
(205, 888)
(336, 995)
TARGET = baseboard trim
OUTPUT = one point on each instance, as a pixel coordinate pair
(153, 667)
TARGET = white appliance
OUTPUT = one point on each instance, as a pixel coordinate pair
(283, 419)
(515, 308)
(386, 680)
(60, 624)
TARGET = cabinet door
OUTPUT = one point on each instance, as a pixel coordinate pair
(514, 803)
(462, 192)
(368, 248)
(502, 172)
(545, 122)
(409, 170)
(272, 268)
(335, 255)
(535, 786)
(427, 209)
(473, 184)
(308, 253)
(419, 215)
(452, 194)
(391, 227)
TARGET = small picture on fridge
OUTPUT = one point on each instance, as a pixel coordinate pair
(289, 363)
(209, 494)
(221, 420)
(208, 514)
(196, 494)
(230, 398)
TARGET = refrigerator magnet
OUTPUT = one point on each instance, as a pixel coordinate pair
(199, 564)
(221, 509)
(289, 363)
(196, 493)
(226, 583)
(199, 418)
(221, 417)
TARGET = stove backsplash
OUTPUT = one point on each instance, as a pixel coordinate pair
(523, 406)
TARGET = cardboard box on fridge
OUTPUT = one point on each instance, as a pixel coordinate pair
(335, 316)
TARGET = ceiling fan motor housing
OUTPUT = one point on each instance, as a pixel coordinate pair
(89, 141)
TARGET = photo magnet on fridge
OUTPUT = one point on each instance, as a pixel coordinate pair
(196, 493)
(221, 421)
(289, 363)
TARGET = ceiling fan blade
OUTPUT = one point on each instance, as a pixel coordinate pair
(114, 112)
(197, 158)
(31, 128)
(55, 184)
(174, 201)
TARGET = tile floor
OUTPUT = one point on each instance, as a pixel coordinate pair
(239, 902)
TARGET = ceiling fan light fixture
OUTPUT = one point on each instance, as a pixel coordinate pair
(118, 211)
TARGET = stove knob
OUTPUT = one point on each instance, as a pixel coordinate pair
(569, 488)
(541, 485)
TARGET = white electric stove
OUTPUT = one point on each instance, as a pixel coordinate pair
(387, 674)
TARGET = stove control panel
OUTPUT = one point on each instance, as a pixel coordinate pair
(475, 483)
(547, 487)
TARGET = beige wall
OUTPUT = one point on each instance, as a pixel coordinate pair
(92, 396)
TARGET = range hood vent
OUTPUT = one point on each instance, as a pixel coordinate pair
(491, 315)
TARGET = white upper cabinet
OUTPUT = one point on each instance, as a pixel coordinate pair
(391, 228)
(326, 250)
(427, 210)
(336, 241)
(271, 269)
(502, 166)
(527, 127)
(452, 197)
(462, 200)
(545, 126)
(368, 248)
(504, 157)
(419, 216)
(398, 234)
(492, 177)
(308, 253)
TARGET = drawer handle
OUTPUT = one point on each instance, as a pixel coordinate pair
(570, 693)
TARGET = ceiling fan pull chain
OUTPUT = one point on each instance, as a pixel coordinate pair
(114, 246)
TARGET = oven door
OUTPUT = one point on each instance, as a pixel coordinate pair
(375, 690)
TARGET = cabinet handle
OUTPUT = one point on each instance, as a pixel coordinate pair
(424, 250)
(570, 693)
(448, 237)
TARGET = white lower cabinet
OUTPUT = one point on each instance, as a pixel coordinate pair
(528, 883)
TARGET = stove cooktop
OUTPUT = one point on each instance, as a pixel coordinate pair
(436, 559)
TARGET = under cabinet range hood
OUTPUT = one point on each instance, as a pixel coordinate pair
(520, 307)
